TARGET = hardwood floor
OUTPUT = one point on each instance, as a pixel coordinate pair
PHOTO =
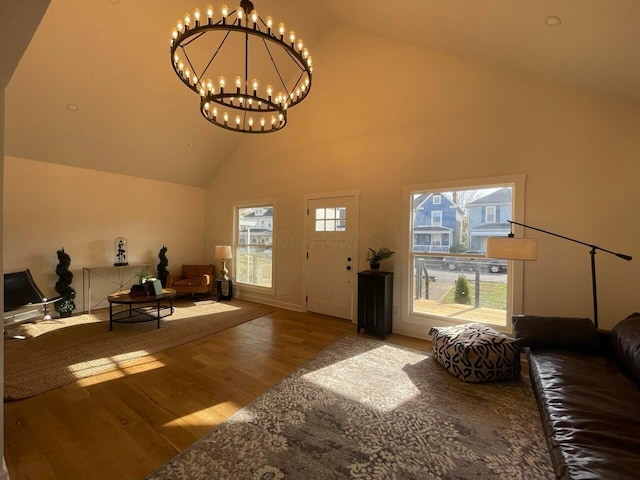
(125, 423)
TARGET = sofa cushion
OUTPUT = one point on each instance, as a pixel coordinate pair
(474, 352)
(187, 282)
(625, 341)
(556, 332)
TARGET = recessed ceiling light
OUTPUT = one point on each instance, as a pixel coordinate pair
(553, 20)
(114, 1)
(191, 144)
(72, 107)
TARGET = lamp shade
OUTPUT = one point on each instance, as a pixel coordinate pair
(223, 252)
(510, 248)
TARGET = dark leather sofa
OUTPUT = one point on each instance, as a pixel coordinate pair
(587, 385)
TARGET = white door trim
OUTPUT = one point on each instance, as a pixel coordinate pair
(356, 233)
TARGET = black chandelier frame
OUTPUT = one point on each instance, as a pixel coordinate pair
(245, 102)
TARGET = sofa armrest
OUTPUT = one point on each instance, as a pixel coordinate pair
(556, 332)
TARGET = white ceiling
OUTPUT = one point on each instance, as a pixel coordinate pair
(111, 58)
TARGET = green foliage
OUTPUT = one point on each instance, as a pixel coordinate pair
(461, 294)
(379, 255)
(63, 285)
(143, 275)
(163, 273)
(457, 248)
(492, 294)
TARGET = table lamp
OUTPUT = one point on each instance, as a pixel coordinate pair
(223, 252)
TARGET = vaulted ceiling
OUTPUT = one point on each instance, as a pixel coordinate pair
(110, 58)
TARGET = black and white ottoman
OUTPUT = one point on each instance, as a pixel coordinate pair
(474, 352)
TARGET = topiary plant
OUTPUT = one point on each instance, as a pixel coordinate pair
(163, 273)
(462, 291)
(66, 306)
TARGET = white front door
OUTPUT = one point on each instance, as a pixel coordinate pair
(331, 262)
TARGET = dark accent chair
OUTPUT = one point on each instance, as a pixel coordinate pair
(21, 291)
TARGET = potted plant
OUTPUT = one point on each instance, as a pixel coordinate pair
(66, 306)
(143, 275)
(377, 256)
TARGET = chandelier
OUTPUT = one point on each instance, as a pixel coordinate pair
(247, 71)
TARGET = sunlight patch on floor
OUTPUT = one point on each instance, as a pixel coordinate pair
(383, 393)
(205, 417)
(132, 367)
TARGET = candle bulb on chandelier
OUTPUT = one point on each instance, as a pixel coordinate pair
(209, 14)
(196, 16)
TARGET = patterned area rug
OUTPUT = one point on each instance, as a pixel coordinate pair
(363, 409)
(60, 351)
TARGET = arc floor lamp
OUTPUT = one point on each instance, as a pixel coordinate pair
(511, 248)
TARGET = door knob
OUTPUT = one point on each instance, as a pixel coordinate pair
(348, 259)
(348, 267)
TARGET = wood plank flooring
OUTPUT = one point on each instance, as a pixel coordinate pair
(125, 423)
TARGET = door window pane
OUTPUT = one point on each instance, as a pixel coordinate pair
(331, 219)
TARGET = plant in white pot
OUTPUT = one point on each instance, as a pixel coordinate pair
(377, 256)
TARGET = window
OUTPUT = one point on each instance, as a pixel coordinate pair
(491, 214)
(436, 199)
(254, 246)
(452, 280)
(332, 219)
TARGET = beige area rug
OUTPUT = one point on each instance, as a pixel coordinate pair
(60, 351)
(364, 409)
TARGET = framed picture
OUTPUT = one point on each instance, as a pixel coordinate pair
(155, 288)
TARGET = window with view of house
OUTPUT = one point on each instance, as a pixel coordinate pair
(254, 246)
(452, 279)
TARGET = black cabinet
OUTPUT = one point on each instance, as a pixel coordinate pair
(375, 301)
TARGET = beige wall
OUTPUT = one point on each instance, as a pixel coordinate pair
(48, 206)
(29, 13)
(383, 115)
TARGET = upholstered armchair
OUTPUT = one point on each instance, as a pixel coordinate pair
(194, 279)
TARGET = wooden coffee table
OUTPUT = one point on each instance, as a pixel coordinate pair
(147, 307)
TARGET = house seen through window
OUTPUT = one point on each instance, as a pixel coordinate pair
(254, 246)
(452, 278)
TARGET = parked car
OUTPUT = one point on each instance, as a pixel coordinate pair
(460, 263)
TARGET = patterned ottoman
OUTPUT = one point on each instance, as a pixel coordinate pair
(476, 353)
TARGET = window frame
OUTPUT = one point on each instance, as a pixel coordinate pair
(415, 324)
(249, 287)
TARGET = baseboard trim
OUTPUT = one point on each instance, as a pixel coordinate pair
(271, 302)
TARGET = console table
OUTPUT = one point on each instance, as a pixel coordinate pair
(119, 276)
(140, 313)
